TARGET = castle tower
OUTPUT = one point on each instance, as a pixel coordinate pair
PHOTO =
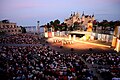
(83, 13)
(78, 15)
(93, 18)
(38, 27)
(83, 17)
(71, 14)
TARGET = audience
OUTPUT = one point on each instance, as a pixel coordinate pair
(21, 39)
(41, 62)
(108, 63)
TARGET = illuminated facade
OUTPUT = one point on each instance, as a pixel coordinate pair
(84, 19)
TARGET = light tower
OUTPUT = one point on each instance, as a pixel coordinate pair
(38, 27)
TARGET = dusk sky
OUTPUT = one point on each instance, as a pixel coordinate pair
(28, 12)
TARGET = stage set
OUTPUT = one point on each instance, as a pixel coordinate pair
(116, 39)
(84, 35)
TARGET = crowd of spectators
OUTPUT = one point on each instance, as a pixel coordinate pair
(108, 63)
(21, 39)
(42, 63)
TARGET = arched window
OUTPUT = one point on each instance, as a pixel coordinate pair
(3, 26)
(11, 26)
(8, 30)
(14, 26)
(7, 26)
(19, 30)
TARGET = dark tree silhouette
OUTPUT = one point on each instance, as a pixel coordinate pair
(5, 21)
(23, 29)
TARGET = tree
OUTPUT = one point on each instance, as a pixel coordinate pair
(56, 25)
(64, 26)
(71, 28)
(95, 24)
(48, 25)
(23, 29)
(5, 21)
(117, 23)
(76, 26)
(56, 22)
(106, 23)
(51, 23)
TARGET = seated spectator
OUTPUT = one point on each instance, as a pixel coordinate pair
(41, 62)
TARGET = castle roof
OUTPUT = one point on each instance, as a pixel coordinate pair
(86, 16)
(83, 13)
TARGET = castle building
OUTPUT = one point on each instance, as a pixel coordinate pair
(9, 27)
(83, 20)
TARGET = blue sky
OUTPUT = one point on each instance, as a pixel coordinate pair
(28, 12)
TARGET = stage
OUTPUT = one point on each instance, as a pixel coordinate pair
(80, 46)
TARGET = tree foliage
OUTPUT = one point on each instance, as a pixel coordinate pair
(23, 29)
(76, 26)
(57, 25)
(5, 21)
(106, 23)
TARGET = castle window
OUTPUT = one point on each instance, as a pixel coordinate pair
(19, 30)
(0, 26)
(8, 30)
(14, 26)
(12, 30)
(7, 26)
(3, 26)
(11, 26)
(15, 30)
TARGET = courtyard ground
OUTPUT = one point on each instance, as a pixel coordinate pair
(81, 47)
